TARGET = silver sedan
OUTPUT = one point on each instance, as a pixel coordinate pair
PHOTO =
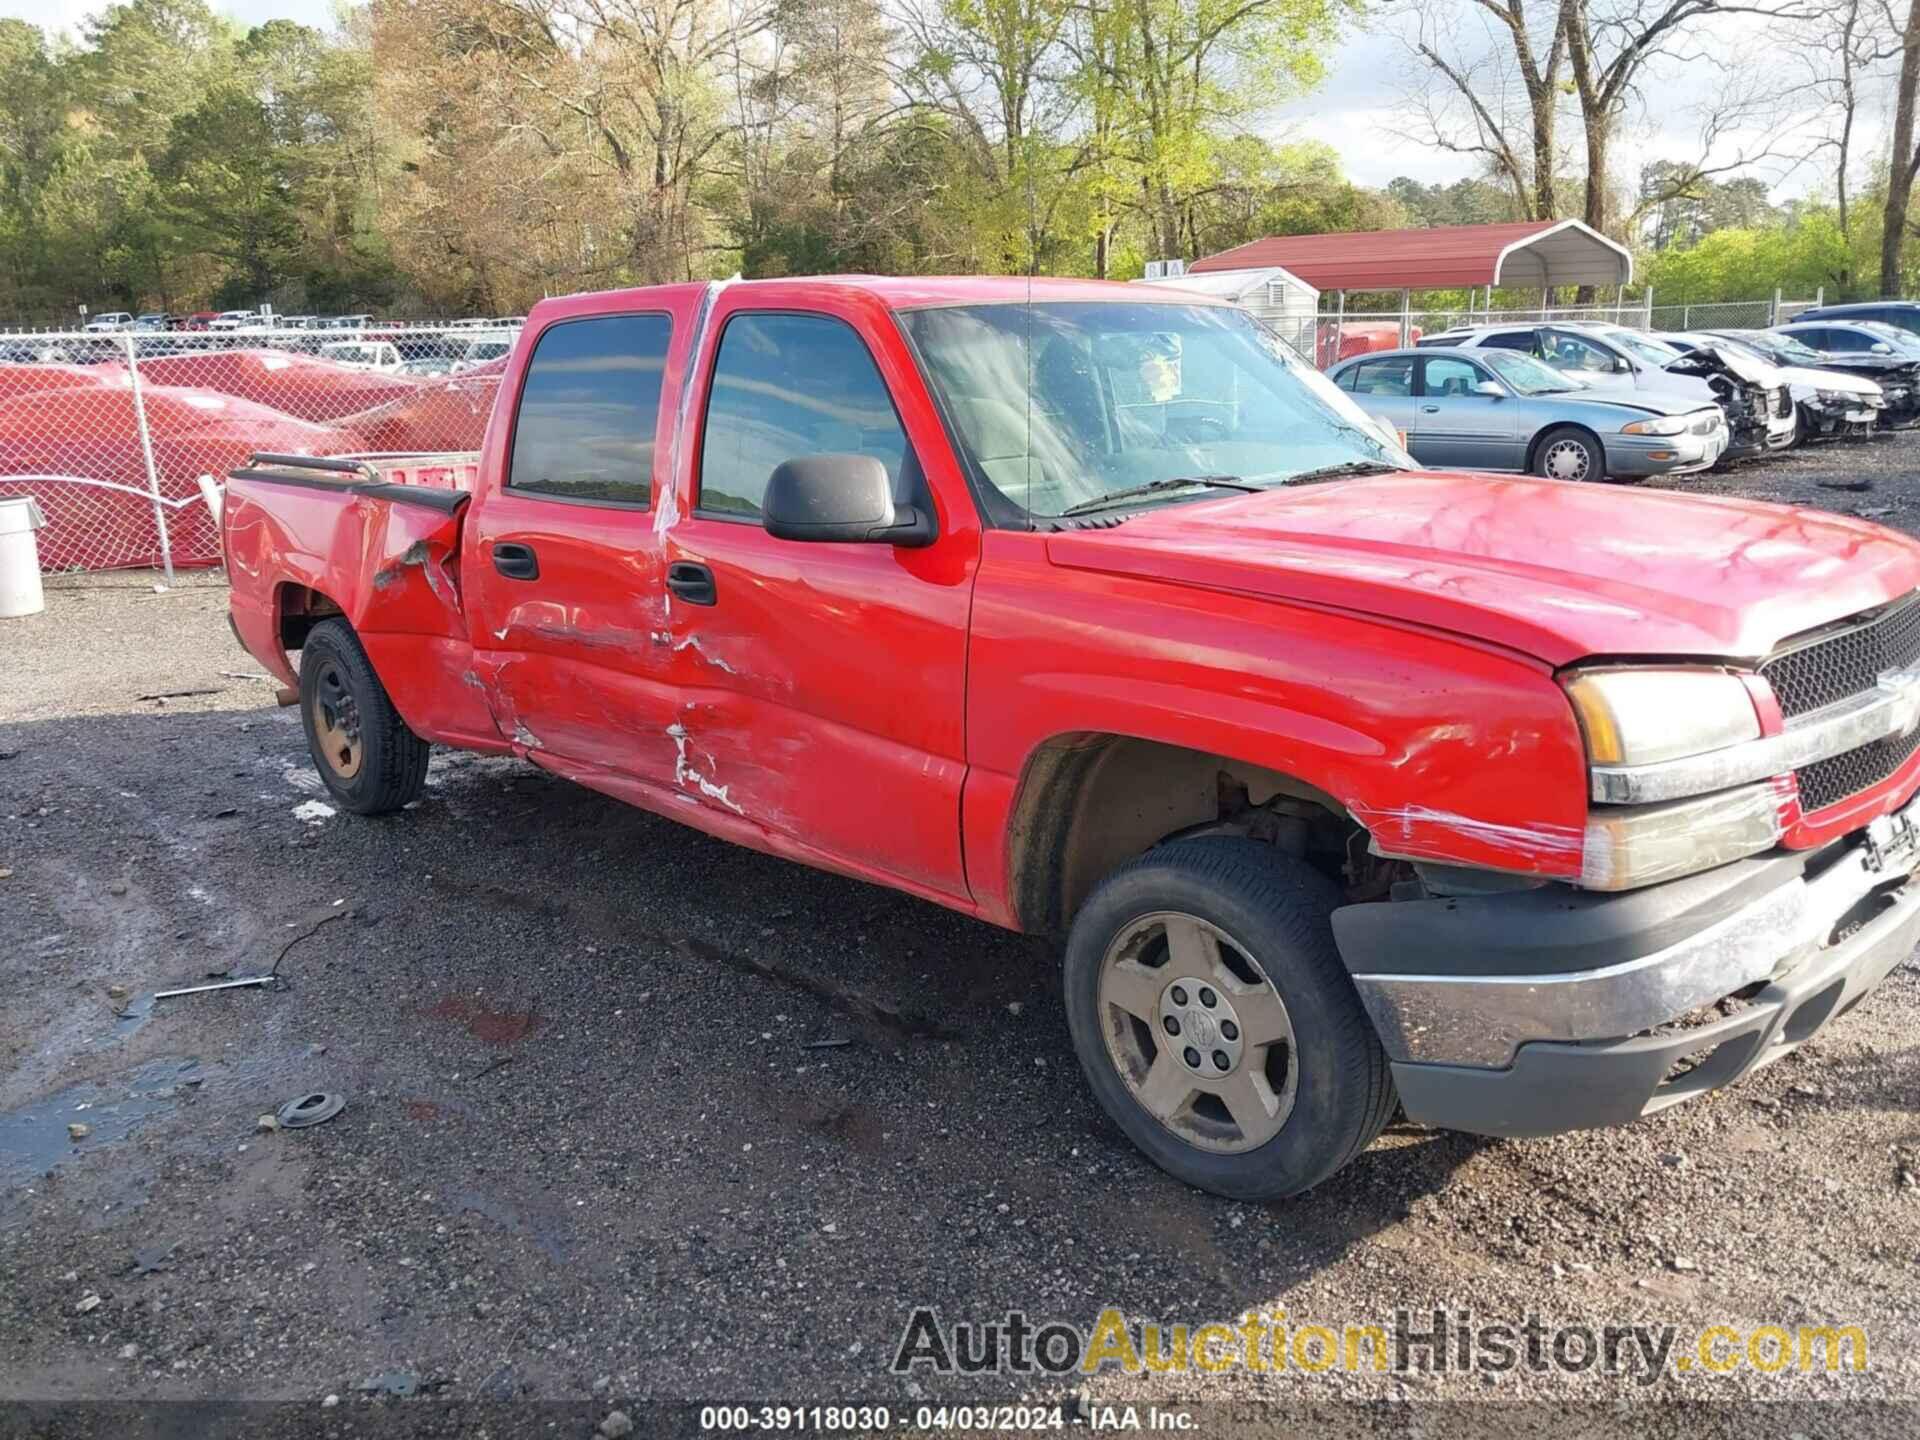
(1501, 410)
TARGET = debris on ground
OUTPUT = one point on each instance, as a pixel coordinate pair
(77, 1131)
(314, 1108)
(616, 1424)
(216, 985)
(391, 1382)
(88, 1304)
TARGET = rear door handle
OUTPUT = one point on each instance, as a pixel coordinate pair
(516, 561)
(692, 583)
(1430, 409)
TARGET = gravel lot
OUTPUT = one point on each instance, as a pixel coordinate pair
(593, 1156)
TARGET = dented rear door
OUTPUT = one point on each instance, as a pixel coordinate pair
(568, 582)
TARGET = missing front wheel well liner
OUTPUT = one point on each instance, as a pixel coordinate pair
(1090, 802)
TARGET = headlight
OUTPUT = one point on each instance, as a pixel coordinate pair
(1832, 397)
(1632, 845)
(1660, 425)
(1643, 716)
(1652, 715)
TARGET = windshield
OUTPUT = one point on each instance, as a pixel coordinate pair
(1781, 349)
(1525, 375)
(1063, 405)
(1893, 335)
(1652, 351)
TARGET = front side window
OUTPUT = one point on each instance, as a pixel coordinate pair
(786, 386)
(1570, 352)
(590, 410)
(1451, 377)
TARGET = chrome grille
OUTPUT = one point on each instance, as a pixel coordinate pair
(1847, 663)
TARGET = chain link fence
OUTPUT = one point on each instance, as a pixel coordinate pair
(1343, 333)
(112, 432)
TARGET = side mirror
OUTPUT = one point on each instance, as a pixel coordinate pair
(1492, 389)
(840, 497)
(1620, 366)
(1882, 349)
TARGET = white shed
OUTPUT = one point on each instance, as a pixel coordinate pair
(1286, 302)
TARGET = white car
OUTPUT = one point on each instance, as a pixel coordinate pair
(481, 352)
(362, 354)
(230, 320)
(1755, 396)
(109, 323)
(1831, 402)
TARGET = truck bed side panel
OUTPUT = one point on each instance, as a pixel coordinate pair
(392, 568)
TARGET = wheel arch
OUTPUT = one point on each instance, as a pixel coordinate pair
(1089, 800)
(297, 608)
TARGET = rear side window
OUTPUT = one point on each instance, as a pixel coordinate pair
(1512, 340)
(786, 386)
(590, 410)
(1384, 377)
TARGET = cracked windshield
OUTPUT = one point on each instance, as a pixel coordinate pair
(1072, 408)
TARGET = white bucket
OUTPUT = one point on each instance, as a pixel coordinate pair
(20, 592)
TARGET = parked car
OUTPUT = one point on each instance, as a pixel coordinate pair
(427, 367)
(362, 354)
(1901, 314)
(153, 322)
(1093, 615)
(229, 320)
(482, 352)
(1831, 402)
(202, 319)
(349, 322)
(1866, 348)
(109, 323)
(35, 352)
(1757, 402)
(1501, 410)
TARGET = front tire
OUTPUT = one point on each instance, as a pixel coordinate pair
(1565, 453)
(369, 760)
(1216, 1024)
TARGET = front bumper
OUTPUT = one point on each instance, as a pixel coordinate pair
(1541, 1011)
(1642, 455)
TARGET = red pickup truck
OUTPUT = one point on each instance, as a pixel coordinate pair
(1091, 611)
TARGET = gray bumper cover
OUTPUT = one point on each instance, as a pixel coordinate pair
(1586, 1036)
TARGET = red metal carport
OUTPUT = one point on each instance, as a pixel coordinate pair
(1544, 253)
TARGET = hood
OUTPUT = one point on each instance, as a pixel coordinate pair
(1667, 400)
(1841, 382)
(1708, 359)
(1555, 570)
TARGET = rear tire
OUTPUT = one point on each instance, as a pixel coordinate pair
(367, 757)
(1216, 1024)
(1567, 453)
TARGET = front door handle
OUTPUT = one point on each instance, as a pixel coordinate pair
(516, 561)
(1429, 409)
(691, 582)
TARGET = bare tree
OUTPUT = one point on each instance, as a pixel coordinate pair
(1489, 85)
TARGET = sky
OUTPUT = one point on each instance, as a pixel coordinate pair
(1354, 110)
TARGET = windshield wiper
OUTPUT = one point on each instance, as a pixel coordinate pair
(1345, 467)
(1154, 487)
